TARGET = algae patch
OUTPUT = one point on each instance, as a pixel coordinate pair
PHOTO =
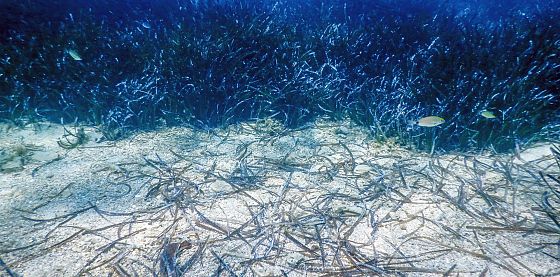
(14, 157)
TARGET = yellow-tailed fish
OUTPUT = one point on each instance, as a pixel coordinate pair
(74, 55)
(430, 121)
(488, 114)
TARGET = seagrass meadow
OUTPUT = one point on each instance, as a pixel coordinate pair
(213, 63)
(279, 138)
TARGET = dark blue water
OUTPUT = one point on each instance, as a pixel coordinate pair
(383, 64)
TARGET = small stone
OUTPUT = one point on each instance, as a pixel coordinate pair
(342, 131)
(293, 259)
(362, 169)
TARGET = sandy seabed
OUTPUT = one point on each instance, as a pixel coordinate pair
(258, 200)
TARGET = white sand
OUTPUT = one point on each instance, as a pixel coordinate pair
(330, 181)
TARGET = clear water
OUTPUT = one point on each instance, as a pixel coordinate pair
(279, 138)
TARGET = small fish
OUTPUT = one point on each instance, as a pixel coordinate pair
(488, 114)
(74, 55)
(430, 121)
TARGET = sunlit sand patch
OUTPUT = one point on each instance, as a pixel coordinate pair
(259, 200)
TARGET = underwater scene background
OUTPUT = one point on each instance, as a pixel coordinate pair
(383, 64)
(279, 138)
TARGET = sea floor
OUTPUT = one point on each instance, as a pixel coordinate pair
(258, 200)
